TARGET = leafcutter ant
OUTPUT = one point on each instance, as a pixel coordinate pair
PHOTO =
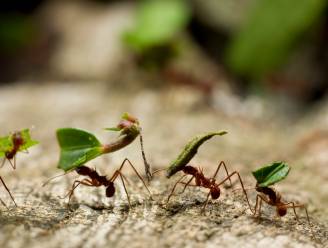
(210, 183)
(9, 146)
(17, 141)
(96, 180)
(273, 198)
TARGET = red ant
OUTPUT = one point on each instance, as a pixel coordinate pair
(95, 180)
(209, 183)
(17, 141)
(273, 198)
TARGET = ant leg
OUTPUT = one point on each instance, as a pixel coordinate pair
(206, 202)
(225, 168)
(258, 205)
(3, 203)
(307, 214)
(3, 162)
(242, 185)
(14, 162)
(129, 162)
(75, 184)
(12, 198)
(294, 206)
(173, 189)
(126, 192)
(126, 179)
(12, 165)
(186, 184)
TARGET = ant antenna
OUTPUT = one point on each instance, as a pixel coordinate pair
(52, 178)
(158, 170)
(234, 190)
(147, 165)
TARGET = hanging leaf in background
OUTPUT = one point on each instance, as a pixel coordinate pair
(266, 39)
(189, 151)
(271, 174)
(158, 23)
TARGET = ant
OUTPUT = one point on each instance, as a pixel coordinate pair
(273, 198)
(205, 182)
(17, 141)
(95, 180)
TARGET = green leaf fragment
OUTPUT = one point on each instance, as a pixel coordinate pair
(271, 174)
(6, 143)
(189, 152)
(115, 129)
(77, 147)
(28, 142)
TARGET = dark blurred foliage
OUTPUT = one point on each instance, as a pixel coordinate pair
(260, 54)
(22, 42)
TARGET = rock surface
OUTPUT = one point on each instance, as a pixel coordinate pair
(169, 118)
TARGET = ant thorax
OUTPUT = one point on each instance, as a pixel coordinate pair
(269, 193)
(18, 141)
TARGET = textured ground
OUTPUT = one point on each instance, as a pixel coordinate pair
(258, 133)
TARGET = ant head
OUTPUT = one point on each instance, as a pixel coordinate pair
(17, 139)
(83, 170)
(110, 190)
(282, 210)
(215, 192)
(190, 170)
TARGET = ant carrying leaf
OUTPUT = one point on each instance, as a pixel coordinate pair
(181, 164)
(189, 151)
(78, 147)
(10, 145)
(266, 177)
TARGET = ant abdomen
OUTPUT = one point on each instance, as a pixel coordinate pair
(215, 193)
(281, 210)
(110, 190)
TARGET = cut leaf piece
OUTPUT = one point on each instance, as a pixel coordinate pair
(114, 129)
(28, 142)
(189, 152)
(271, 174)
(77, 147)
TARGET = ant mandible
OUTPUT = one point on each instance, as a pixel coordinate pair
(95, 180)
(209, 183)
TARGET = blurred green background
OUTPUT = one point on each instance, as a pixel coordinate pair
(264, 47)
